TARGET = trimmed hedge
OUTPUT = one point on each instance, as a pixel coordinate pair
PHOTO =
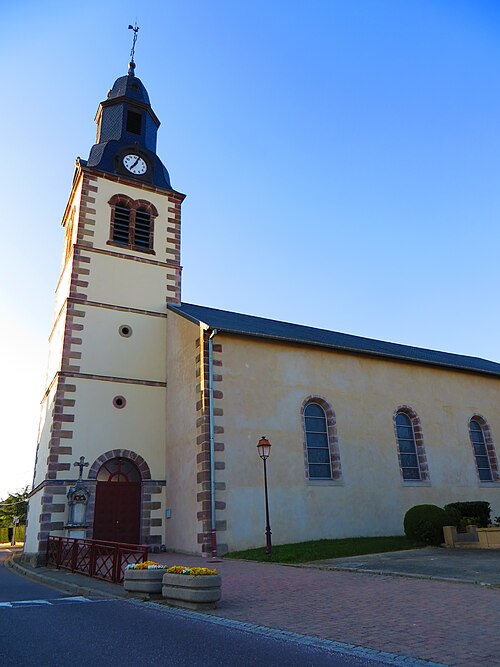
(454, 516)
(478, 510)
(424, 524)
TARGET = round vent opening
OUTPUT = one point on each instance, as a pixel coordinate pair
(125, 330)
(119, 402)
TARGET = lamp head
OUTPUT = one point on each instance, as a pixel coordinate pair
(264, 448)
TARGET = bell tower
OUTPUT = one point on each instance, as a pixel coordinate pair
(105, 390)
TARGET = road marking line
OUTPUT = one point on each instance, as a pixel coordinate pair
(51, 603)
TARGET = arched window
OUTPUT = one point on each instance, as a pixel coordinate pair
(411, 450)
(132, 223)
(484, 450)
(407, 447)
(317, 442)
(118, 470)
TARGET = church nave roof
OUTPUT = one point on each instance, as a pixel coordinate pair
(248, 325)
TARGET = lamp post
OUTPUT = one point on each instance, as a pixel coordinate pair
(264, 449)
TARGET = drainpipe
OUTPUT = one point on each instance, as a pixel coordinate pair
(212, 441)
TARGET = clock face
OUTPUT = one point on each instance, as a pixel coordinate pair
(135, 164)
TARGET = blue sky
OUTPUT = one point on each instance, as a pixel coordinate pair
(340, 160)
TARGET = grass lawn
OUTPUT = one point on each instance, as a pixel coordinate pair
(303, 552)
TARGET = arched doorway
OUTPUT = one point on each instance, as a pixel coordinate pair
(117, 515)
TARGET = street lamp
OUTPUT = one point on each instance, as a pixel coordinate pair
(264, 449)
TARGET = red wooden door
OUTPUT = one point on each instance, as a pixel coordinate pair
(117, 516)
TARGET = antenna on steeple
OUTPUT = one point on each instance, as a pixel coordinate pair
(131, 65)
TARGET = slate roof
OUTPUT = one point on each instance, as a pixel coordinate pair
(129, 86)
(260, 327)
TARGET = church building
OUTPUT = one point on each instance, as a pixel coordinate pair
(166, 401)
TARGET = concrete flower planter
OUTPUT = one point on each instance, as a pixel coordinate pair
(479, 538)
(489, 538)
(192, 592)
(143, 581)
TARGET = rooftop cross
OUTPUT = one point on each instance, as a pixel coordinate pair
(81, 465)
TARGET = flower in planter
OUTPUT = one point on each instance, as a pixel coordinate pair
(193, 571)
(147, 565)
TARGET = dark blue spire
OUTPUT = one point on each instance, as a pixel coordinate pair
(126, 124)
(129, 86)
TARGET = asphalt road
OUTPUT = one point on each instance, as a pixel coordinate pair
(40, 626)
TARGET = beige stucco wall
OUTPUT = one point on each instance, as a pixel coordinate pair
(44, 435)
(105, 352)
(55, 348)
(265, 384)
(125, 283)
(63, 285)
(182, 528)
(99, 427)
(70, 223)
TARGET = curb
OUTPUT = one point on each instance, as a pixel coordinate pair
(393, 573)
(66, 587)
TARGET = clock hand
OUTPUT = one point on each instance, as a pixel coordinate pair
(133, 165)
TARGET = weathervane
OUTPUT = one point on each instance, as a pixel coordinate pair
(135, 29)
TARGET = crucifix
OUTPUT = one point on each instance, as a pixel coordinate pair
(81, 465)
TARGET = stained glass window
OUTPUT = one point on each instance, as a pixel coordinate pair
(318, 446)
(407, 448)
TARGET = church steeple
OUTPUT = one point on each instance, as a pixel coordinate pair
(127, 126)
(121, 266)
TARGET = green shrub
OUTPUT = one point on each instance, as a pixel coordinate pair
(424, 524)
(467, 521)
(479, 511)
(453, 516)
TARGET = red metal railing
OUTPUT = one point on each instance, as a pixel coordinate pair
(94, 558)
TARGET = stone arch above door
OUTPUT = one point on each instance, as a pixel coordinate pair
(150, 489)
(123, 454)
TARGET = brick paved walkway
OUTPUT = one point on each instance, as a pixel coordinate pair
(451, 623)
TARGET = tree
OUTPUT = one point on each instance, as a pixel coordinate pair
(15, 505)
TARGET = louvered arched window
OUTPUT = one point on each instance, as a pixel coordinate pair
(132, 223)
(142, 229)
(121, 225)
